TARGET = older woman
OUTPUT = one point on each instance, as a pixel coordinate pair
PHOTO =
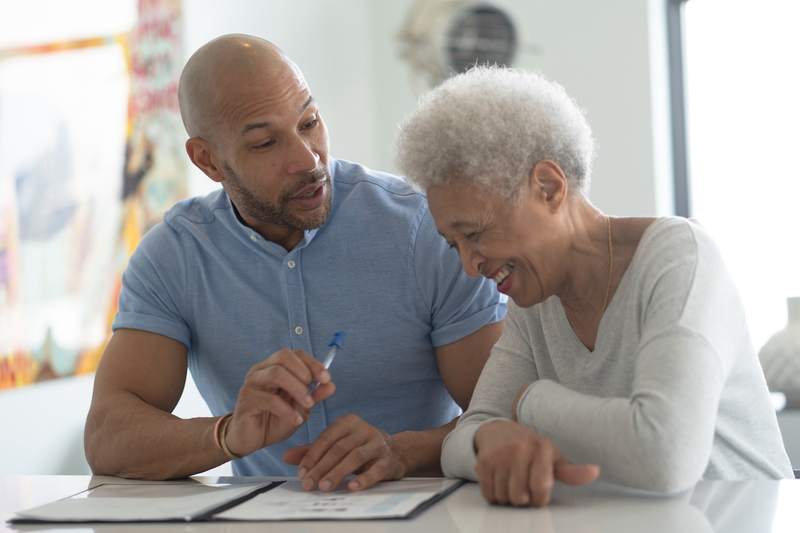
(626, 352)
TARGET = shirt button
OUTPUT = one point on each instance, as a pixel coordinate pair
(253, 237)
(298, 330)
(290, 263)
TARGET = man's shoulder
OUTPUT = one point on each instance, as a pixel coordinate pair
(376, 202)
(352, 176)
(196, 210)
(185, 217)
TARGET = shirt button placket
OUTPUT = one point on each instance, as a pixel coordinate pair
(317, 419)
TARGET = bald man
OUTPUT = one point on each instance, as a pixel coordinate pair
(246, 286)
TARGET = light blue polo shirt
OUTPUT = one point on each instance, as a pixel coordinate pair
(377, 269)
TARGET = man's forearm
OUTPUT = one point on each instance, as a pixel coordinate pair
(420, 451)
(135, 440)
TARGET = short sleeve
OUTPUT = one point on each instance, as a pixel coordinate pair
(459, 305)
(153, 287)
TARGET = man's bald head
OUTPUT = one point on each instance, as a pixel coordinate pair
(219, 70)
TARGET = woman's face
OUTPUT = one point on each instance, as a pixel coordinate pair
(516, 244)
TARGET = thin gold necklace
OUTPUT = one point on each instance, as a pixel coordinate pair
(610, 263)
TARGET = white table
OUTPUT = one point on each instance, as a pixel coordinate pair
(713, 506)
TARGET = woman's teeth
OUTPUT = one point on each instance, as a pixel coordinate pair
(503, 273)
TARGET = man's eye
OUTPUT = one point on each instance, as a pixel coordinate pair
(472, 237)
(311, 123)
(265, 144)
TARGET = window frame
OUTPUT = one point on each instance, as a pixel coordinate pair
(677, 92)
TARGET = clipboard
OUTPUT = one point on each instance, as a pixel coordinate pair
(165, 501)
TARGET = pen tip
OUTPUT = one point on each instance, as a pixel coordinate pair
(338, 338)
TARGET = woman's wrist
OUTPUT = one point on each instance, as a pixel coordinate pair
(518, 401)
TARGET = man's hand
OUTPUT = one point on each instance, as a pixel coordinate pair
(517, 466)
(348, 446)
(274, 400)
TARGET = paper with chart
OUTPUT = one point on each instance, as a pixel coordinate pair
(392, 499)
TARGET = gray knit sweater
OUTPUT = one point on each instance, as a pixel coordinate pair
(673, 392)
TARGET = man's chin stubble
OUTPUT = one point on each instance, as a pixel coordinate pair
(312, 222)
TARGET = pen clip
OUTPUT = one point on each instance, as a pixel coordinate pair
(338, 339)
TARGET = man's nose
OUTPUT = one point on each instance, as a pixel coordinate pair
(302, 157)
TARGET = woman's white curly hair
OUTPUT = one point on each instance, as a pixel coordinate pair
(489, 126)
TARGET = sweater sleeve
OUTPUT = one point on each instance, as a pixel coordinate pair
(660, 437)
(507, 371)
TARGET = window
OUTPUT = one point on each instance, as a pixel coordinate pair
(742, 112)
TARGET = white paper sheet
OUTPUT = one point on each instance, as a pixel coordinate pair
(392, 499)
(140, 502)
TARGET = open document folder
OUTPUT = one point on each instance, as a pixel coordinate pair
(280, 500)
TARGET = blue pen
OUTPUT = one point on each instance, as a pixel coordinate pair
(334, 345)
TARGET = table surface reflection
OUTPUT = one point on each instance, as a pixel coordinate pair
(712, 506)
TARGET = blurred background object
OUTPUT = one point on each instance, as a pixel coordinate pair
(442, 37)
(780, 357)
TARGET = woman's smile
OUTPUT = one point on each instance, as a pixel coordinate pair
(502, 277)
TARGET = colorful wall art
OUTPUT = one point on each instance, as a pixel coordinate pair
(91, 156)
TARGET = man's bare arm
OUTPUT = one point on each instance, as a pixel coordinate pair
(460, 364)
(130, 431)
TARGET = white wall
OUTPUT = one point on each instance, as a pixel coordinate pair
(329, 39)
(610, 56)
(43, 427)
(44, 424)
(600, 51)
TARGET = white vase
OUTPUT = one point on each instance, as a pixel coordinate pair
(780, 357)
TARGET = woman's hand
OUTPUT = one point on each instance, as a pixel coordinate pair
(518, 467)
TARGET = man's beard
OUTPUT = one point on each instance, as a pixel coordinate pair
(278, 213)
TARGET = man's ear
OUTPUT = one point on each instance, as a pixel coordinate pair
(199, 151)
(548, 183)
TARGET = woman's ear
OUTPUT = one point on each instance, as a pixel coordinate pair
(548, 183)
